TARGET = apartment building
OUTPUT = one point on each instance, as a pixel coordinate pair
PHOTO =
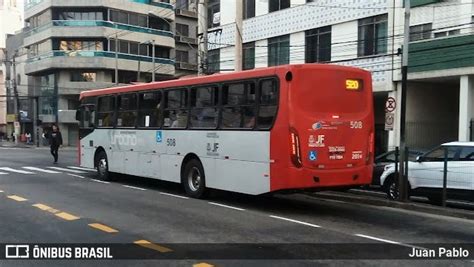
(366, 34)
(80, 45)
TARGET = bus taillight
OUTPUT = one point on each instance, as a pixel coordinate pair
(295, 148)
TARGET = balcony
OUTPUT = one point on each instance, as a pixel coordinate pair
(67, 116)
(88, 59)
(166, 10)
(94, 29)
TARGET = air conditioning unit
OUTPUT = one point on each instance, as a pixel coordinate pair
(187, 13)
(186, 66)
(184, 39)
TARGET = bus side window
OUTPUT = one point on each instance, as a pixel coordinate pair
(105, 113)
(204, 113)
(238, 102)
(150, 114)
(268, 101)
(176, 113)
(127, 110)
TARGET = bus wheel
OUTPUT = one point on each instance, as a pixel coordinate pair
(103, 166)
(193, 179)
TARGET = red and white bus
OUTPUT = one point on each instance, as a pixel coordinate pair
(306, 126)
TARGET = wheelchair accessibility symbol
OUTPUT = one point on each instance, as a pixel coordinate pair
(159, 137)
(313, 155)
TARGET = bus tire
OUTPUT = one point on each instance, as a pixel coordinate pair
(103, 166)
(193, 179)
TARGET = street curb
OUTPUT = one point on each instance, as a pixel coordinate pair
(68, 148)
(419, 207)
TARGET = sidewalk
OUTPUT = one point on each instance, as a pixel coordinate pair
(8, 144)
(372, 200)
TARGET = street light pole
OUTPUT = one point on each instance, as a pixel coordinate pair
(202, 32)
(116, 59)
(154, 64)
(402, 179)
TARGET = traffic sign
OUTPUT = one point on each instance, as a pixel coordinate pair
(390, 104)
(389, 121)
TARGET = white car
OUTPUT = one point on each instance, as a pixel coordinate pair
(425, 175)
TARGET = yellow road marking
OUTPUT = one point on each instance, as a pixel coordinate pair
(203, 264)
(17, 198)
(102, 227)
(67, 216)
(148, 244)
(45, 208)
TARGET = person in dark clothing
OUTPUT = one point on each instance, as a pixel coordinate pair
(55, 141)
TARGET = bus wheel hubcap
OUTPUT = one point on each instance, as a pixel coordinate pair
(102, 166)
(194, 179)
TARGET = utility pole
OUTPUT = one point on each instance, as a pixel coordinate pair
(238, 34)
(139, 62)
(402, 179)
(116, 57)
(202, 33)
(17, 98)
(154, 61)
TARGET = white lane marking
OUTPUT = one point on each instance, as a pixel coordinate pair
(379, 239)
(99, 181)
(81, 169)
(133, 187)
(172, 195)
(66, 170)
(3, 173)
(225, 206)
(8, 169)
(75, 175)
(295, 221)
(39, 169)
(389, 241)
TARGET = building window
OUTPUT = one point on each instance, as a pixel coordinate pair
(182, 29)
(79, 76)
(372, 36)
(248, 54)
(214, 13)
(128, 18)
(318, 45)
(249, 9)
(420, 32)
(81, 45)
(182, 4)
(447, 33)
(213, 58)
(275, 5)
(182, 56)
(279, 50)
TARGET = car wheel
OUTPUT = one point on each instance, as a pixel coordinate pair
(193, 179)
(392, 188)
(103, 167)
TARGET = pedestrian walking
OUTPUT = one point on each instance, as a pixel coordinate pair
(55, 141)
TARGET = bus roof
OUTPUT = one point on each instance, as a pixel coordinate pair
(259, 72)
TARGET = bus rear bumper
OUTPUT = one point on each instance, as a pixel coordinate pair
(305, 178)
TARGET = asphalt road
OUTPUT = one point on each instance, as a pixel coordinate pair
(45, 203)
